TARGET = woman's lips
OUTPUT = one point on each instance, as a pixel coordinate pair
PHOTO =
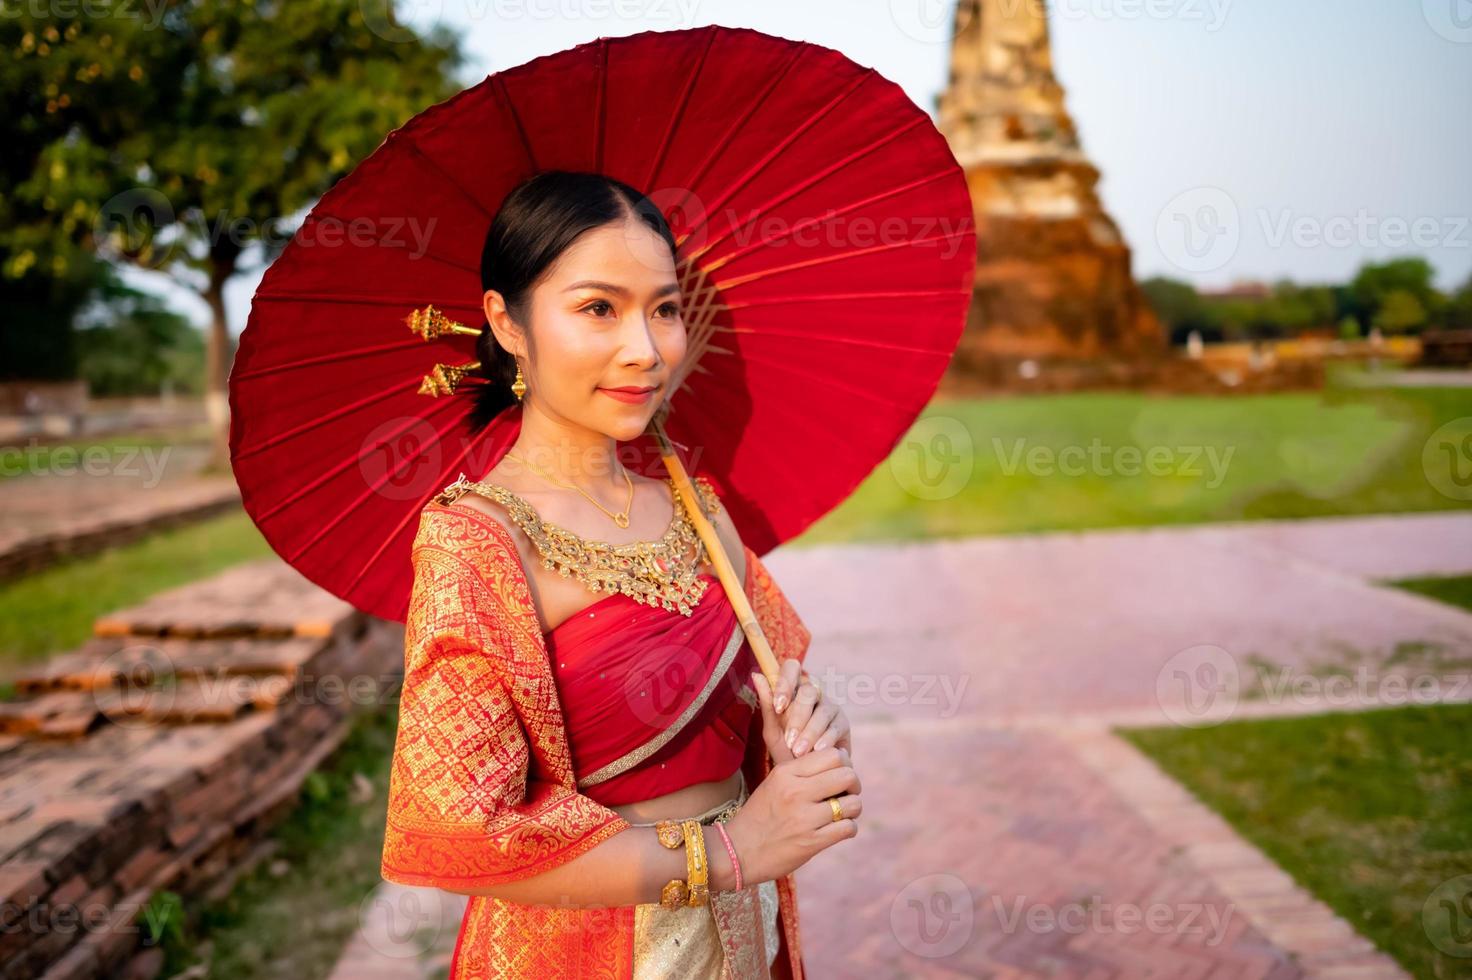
(631, 395)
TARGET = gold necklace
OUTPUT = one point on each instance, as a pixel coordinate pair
(621, 518)
(656, 573)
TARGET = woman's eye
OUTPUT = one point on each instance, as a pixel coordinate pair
(671, 309)
(596, 305)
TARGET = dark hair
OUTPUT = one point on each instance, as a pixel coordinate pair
(539, 219)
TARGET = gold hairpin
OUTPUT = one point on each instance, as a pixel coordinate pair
(445, 378)
(431, 324)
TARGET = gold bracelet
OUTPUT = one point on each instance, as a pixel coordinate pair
(670, 833)
(696, 871)
(676, 893)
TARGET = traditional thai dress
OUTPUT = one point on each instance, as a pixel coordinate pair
(513, 745)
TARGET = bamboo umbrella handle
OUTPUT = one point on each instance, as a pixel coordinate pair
(735, 589)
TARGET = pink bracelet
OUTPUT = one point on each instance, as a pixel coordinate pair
(731, 851)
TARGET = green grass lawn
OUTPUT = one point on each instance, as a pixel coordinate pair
(1371, 811)
(1004, 465)
(1454, 590)
(52, 610)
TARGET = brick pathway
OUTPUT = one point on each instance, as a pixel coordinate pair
(96, 502)
(1007, 832)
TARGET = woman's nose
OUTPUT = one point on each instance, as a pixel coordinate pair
(638, 341)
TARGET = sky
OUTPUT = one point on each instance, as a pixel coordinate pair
(1237, 139)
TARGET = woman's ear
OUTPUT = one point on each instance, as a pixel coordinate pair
(503, 328)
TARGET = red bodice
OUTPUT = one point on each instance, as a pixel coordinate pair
(653, 700)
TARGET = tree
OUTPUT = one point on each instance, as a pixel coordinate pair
(1458, 312)
(1400, 312)
(1180, 308)
(183, 136)
(1375, 284)
(129, 343)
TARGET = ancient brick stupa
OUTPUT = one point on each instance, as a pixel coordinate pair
(1053, 272)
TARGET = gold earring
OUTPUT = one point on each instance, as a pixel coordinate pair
(518, 387)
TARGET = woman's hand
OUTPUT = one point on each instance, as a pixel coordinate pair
(787, 819)
(808, 721)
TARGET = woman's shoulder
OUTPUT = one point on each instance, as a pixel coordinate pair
(466, 525)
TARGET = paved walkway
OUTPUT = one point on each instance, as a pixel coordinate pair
(1007, 832)
(76, 504)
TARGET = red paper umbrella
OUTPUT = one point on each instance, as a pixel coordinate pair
(826, 258)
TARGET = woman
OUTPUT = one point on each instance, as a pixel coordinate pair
(610, 779)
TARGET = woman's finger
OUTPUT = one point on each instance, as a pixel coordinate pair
(787, 677)
(799, 712)
(837, 733)
(817, 727)
(771, 724)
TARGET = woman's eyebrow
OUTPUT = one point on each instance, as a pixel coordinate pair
(618, 290)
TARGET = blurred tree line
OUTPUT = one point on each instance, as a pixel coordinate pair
(186, 138)
(1396, 296)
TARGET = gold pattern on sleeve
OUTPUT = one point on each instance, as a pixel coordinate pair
(480, 787)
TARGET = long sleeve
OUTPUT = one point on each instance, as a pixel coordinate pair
(470, 803)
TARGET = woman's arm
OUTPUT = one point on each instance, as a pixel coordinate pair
(471, 807)
(630, 868)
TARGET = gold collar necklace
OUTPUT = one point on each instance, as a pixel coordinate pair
(656, 573)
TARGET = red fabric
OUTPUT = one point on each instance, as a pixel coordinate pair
(816, 209)
(627, 672)
(482, 787)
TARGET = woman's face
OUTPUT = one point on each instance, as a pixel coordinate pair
(605, 316)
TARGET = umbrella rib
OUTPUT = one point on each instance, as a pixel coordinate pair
(728, 284)
(824, 297)
(684, 103)
(308, 426)
(409, 515)
(837, 339)
(505, 99)
(820, 378)
(720, 146)
(430, 164)
(776, 151)
(343, 513)
(794, 229)
(414, 301)
(341, 516)
(339, 355)
(712, 395)
(703, 307)
(600, 102)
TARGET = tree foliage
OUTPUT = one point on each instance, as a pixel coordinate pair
(184, 136)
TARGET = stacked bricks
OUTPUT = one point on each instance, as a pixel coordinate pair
(30, 542)
(158, 755)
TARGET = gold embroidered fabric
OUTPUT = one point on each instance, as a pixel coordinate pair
(472, 803)
(656, 573)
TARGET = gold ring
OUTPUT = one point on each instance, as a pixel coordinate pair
(837, 808)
